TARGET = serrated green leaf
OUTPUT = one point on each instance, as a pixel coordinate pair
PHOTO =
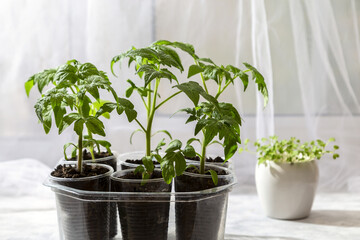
(193, 70)
(87, 69)
(68, 120)
(106, 108)
(79, 126)
(65, 74)
(59, 113)
(46, 117)
(259, 80)
(95, 126)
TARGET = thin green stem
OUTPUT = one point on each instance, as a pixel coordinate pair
(202, 78)
(152, 107)
(223, 89)
(167, 99)
(141, 126)
(91, 148)
(143, 100)
(80, 156)
(203, 156)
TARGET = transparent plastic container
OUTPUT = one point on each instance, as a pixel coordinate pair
(82, 219)
(199, 198)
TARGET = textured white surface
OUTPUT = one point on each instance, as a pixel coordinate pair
(334, 217)
(27, 211)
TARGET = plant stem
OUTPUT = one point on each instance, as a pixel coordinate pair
(151, 113)
(91, 148)
(80, 156)
(202, 78)
(203, 156)
(167, 99)
(222, 90)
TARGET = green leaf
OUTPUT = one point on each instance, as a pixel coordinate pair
(28, 85)
(173, 146)
(139, 169)
(66, 146)
(106, 108)
(132, 134)
(163, 131)
(207, 60)
(180, 163)
(59, 113)
(259, 80)
(65, 74)
(191, 140)
(210, 133)
(87, 69)
(68, 120)
(167, 168)
(188, 48)
(85, 106)
(230, 150)
(95, 126)
(46, 117)
(189, 151)
(193, 70)
(79, 126)
(147, 161)
(214, 177)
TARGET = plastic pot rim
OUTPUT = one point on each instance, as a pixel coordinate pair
(115, 177)
(58, 179)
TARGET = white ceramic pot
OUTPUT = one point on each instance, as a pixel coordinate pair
(287, 191)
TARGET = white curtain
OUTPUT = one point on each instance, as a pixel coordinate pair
(308, 52)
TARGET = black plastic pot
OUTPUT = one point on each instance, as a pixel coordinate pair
(202, 217)
(81, 219)
(142, 218)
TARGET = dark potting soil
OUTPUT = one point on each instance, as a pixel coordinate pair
(87, 155)
(208, 159)
(68, 171)
(137, 161)
(218, 171)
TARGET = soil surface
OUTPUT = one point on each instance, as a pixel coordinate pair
(218, 171)
(209, 159)
(132, 175)
(138, 161)
(87, 155)
(68, 171)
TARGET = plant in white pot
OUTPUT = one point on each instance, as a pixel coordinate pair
(68, 101)
(287, 175)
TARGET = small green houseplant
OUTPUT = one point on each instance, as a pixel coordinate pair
(218, 122)
(287, 174)
(68, 101)
(153, 64)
